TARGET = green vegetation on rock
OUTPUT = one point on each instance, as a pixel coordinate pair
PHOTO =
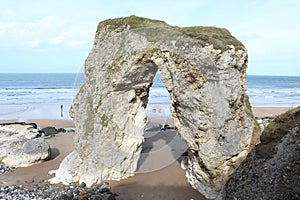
(132, 21)
(281, 125)
(256, 129)
(276, 130)
(271, 170)
(220, 38)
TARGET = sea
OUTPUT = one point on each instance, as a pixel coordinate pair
(49, 96)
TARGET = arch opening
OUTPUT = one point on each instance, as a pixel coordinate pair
(162, 145)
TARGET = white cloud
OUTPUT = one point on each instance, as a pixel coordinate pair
(47, 32)
(60, 38)
(33, 43)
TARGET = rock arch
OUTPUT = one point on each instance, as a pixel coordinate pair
(204, 70)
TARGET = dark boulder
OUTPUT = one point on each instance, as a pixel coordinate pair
(49, 131)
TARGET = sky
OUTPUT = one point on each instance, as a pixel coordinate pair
(56, 36)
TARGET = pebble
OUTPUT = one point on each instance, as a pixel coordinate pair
(52, 192)
(4, 169)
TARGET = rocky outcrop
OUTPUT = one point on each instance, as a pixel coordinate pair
(204, 70)
(29, 153)
(19, 146)
(11, 133)
(272, 169)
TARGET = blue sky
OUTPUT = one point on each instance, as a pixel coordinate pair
(57, 35)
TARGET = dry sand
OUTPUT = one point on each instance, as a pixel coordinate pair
(268, 111)
(159, 174)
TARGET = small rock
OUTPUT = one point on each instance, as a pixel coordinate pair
(111, 197)
(65, 197)
(4, 169)
(83, 185)
(104, 188)
(96, 197)
(76, 192)
(49, 131)
(61, 130)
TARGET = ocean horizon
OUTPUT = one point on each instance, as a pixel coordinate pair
(26, 96)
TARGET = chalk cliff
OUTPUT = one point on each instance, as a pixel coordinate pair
(204, 70)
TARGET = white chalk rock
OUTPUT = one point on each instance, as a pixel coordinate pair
(31, 152)
(204, 70)
(19, 146)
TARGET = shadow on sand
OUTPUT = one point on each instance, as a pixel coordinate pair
(54, 153)
(160, 149)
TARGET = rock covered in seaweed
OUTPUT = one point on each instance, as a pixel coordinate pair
(204, 70)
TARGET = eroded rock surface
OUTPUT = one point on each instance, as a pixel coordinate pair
(272, 169)
(204, 70)
(19, 146)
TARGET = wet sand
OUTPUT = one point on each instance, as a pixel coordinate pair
(57, 123)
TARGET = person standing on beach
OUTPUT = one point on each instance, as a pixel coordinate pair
(61, 111)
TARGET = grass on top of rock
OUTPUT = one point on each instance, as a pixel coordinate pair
(281, 125)
(220, 38)
(133, 22)
(275, 131)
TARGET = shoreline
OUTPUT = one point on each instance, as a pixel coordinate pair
(42, 123)
(258, 112)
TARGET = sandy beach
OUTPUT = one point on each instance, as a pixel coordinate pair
(159, 174)
(268, 111)
(52, 122)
